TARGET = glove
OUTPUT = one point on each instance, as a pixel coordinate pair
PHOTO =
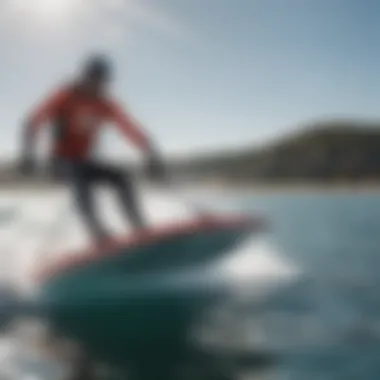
(155, 168)
(27, 165)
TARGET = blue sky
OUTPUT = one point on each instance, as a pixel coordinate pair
(199, 74)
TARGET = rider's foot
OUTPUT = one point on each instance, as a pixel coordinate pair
(102, 237)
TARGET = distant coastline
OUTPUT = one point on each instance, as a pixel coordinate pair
(220, 188)
(329, 154)
(296, 188)
(340, 155)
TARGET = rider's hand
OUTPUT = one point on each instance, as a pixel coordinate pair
(155, 168)
(27, 165)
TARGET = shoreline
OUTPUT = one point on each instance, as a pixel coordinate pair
(292, 189)
(222, 188)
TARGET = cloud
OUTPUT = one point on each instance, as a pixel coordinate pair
(39, 45)
(149, 17)
(87, 22)
(130, 21)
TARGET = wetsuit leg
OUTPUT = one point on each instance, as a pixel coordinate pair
(84, 181)
(128, 198)
(122, 183)
(83, 177)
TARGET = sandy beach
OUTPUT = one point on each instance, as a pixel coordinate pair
(219, 187)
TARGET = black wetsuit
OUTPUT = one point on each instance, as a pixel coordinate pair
(77, 118)
(83, 177)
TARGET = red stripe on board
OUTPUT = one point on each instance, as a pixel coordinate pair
(72, 260)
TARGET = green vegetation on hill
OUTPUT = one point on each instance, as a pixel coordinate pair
(340, 151)
(326, 152)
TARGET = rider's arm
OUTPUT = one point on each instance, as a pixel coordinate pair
(129, 127)
(134, 132)
(38, 117)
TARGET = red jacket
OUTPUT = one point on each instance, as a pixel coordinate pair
(77, 119)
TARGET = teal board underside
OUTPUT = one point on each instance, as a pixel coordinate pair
(120, 320)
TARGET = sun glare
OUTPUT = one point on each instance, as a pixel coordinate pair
(46, 11)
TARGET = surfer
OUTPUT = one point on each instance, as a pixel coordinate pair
(77, 111)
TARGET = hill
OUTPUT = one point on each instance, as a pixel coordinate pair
(343, 151)
(329, 152)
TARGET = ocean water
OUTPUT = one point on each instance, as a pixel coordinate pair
(308, 290)
(328, 322)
